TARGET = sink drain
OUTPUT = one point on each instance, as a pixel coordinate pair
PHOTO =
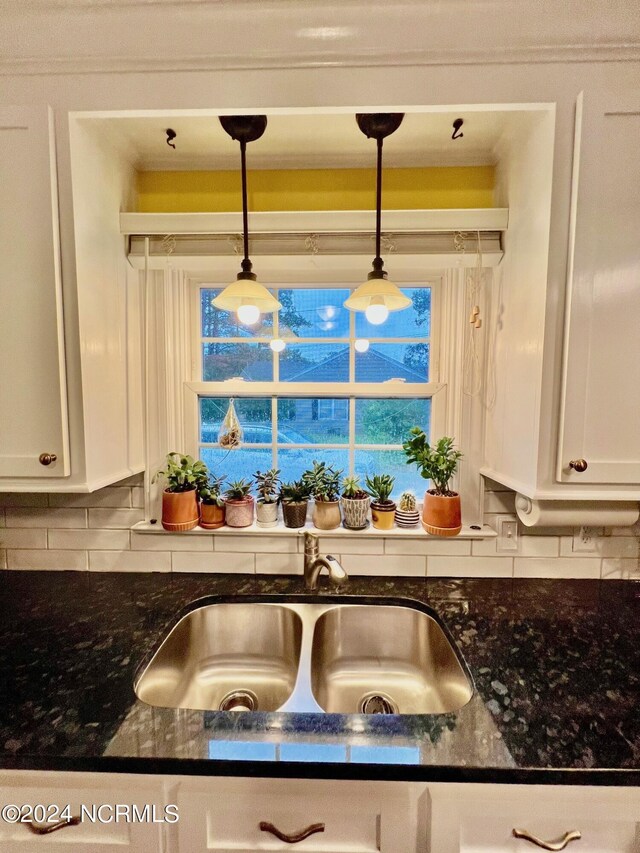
(377, 703)
(239, 700)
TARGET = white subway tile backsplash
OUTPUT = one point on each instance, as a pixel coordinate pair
(557, 567)
(470, 567)
(112, 496)
(256, 544)
(99, 540)
(279, 564)
(2, 519)
(129, 561)
(528, 546)
(137, 497)
(3, 559)
(447, 546)
(621, 569)
(23, 499)
(501, 502)
(349, 545)
(190, 561)
(23, 537)
(170, 542)
(115, 518)
(393, 566)
(44, 517)
(53, 560)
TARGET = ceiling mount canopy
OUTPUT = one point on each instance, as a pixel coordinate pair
(246, 296)
(378, 296)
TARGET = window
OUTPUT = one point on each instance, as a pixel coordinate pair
(340, 389)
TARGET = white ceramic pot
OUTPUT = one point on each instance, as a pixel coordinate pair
(266, 514)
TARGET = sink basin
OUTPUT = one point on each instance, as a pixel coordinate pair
(384, 659)
(226, 657)
(339, 655)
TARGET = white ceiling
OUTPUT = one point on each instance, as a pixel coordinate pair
(313, 140)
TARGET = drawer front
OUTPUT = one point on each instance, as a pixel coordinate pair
(491, 836)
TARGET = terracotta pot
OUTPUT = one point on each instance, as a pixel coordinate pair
(407, 518)
(179, 510)
(383, 515)
(211, 516)
(266, 514)
(239, 512)
(326, 515)
(441, 514)
(355, 513)
(294, 514)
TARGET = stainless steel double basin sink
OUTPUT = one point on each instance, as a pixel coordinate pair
(346, 656)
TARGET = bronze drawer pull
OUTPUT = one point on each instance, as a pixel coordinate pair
(294, 837)
(560, 844)
(47, 458)
(45, 829)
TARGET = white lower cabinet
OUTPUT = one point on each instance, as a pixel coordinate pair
(482, 818)
(247, 815)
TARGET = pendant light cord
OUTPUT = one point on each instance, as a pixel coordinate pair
(379, 201)
(246, 263)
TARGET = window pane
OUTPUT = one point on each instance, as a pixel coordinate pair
(394, 462)
(225, 324)
(236, 464)
(393, 361)
(315, 363)
(313, 313)
(254, 415)
(411, 322)
(301, 421)
(384, 421)
(252, 362)
(295, 461)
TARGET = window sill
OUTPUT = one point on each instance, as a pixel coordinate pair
(280, 530)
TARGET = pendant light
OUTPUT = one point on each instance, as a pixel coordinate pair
(246, 296)
(378, 296)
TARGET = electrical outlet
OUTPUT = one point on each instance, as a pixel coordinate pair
(585, 539)
(507, 530)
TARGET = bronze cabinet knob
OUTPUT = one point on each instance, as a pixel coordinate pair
(578, 465)
(47, 458)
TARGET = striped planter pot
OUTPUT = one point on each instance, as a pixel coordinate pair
(407, 519)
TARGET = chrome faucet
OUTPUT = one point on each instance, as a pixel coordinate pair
(314, 564)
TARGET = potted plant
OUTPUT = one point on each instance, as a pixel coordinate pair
(323, 483)
(294, 497)
(266, 484)
(355, 504)
(183, 475)
(212, 509)
(383, 509)
(407, 514)
(441, 513)
(239, 504)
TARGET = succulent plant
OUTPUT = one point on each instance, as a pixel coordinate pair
(294, 492)
(352, 489)
(380, 487)
(210, 491)
(323, 481)
(238, 490)
(267, 483)
(183, 473)
(437, 463)
(407, 502)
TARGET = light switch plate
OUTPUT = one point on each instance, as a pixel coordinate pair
(507, 530)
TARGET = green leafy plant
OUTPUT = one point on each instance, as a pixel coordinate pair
(407, 502)
(210, 491)
(323, 481)
(182, 473)
(294, 492)
(436, 462)
(380, 487)
(238, 490)
(352, 489)
(267, 485)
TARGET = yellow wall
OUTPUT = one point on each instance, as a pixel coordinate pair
(316, 189)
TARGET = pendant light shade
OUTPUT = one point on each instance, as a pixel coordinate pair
(378, 296)
(246, 296)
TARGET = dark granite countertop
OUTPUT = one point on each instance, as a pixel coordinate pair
(556, 666)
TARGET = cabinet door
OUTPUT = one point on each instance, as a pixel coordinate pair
(600, 420)
(33, 406)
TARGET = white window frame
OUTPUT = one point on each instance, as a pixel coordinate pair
(439, 391)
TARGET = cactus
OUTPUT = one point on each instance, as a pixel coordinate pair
(407, 502)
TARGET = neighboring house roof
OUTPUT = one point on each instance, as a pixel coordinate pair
(370, 366)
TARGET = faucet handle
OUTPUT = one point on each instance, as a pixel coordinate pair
(311, 540)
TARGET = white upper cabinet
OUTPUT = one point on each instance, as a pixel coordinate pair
(33, 406)
(600, 418)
